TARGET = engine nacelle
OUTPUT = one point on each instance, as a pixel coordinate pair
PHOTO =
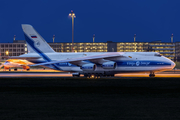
(109, 65)
(25, 67)
(6, 67)
(89, 67)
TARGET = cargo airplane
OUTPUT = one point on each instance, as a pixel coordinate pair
(92, 63)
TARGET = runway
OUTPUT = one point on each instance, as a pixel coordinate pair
(60, 74)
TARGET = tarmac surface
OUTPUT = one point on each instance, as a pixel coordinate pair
(93, 99)
(170, 74)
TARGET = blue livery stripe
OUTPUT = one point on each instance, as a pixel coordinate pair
(45, 57)
(142, 63)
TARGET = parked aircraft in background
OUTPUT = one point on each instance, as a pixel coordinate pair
(92, 63)
(16, 63)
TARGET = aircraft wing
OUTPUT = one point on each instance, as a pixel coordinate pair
(18, 57)
(94, 57)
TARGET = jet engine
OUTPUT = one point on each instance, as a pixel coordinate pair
(89, 67)
(109, 65)
(6, 67)
(25, 67)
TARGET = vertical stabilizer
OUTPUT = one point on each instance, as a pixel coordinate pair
(30, 50)
(35, 41)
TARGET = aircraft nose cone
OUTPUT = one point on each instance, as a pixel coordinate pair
(173, 64)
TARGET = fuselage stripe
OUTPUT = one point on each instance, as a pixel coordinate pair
(45, 57)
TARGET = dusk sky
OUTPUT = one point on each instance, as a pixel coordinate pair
(109, 20)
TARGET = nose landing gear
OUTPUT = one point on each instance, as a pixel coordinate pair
(151, 74)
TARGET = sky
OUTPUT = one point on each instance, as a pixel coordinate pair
(109, 20)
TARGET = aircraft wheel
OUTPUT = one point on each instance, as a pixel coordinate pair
(9, 69)
(112, 75)
(76, 75)
(86, 75)
(151, 75)
(15, 69)
(89, 75)
(28, 69)
(100, 75)
(108, 75)
(95, 76)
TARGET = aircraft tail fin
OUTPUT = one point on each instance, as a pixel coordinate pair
(30, 50)
(34, 40)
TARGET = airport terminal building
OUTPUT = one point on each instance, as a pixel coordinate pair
(166, 49)
(170, 50)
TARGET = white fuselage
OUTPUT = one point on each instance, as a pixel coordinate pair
(16, 63)
(129, 62)
(12, 65)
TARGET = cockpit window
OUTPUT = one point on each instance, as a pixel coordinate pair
(158, 55)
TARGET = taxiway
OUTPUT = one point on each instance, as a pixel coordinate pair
(59, 74)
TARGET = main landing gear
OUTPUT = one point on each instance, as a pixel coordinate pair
(97, 75)
(93, 75)
(151, 74)
(76, 74)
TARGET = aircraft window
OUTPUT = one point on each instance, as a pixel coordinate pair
(158, 55)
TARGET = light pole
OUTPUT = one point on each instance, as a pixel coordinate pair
(72, 15)
(53, 38)
(14, 37)
(93, 38)
(134, 37)
(172, 37)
